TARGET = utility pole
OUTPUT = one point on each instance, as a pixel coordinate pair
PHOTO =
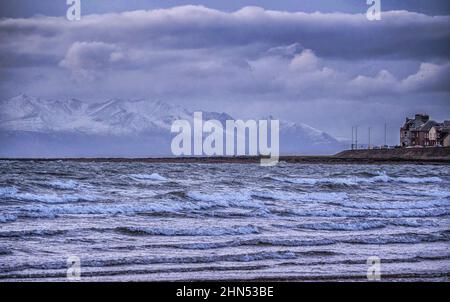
(356, 137)
(369, 146)
(385, 134)
(353, 139)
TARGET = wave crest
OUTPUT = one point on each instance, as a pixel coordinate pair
(208, 231)
(153, 177)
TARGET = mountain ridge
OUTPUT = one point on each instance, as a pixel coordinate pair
(121, 120)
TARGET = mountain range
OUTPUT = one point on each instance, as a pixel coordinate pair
(34, 127)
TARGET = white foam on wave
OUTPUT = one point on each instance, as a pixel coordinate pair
(301, 196)
(224, 199)
(325, 196)
(152, 177)
(402, 238)
(30, 233)
(334, 212)
(364, 224)
(418, 192)
(302, 181)
(200, 231)
(347, 225)
(383, 177)
(351, 181)
(52, 211)
(415, 223)
(246, 199)
(417, 180)
(13, 193)
(392, 205)
(7, 191)
(7, 218)
(440, 193)
(63, 184)
(277, 195)
(314, 181)
(55, 198)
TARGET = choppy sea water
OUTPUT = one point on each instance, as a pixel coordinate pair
(142, 221)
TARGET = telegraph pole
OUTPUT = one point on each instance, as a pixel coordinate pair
(353, 139)
(369, 146)
(385, 134)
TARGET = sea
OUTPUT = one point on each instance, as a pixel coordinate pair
(137, 221)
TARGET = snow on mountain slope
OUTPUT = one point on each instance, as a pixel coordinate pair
(143, 120)
(136, 116)
(306, 132)
(25, 113)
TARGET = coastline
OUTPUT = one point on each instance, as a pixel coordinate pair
(437, 156)
(247, 160)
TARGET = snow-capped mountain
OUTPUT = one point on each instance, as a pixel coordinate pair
(114, 117)
(31, 126)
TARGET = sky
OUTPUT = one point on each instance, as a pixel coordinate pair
(322, 63)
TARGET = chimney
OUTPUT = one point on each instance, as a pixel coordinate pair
(422, 117)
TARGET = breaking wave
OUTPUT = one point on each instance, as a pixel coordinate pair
(153, 176)
(392, 205)
(30, 233)
(353, 181)
(337, 212)
(14, 194)
(403, 238)
(55, 198)
(53, 211)
(344, 225)
(7, 191)
(362, 225)
(204, 231)
(7, 218)
(63, 184)
(239, 199)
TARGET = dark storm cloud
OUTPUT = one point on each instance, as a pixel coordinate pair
(400, 34)
(29, 8)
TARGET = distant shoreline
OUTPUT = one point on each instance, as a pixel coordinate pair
(375, 156)
(247, 160)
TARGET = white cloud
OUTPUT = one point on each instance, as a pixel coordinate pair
(430, 77)
(91, 56)
(304, 61)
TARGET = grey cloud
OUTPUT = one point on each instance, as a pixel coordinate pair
(251, 57)
(399, 34)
